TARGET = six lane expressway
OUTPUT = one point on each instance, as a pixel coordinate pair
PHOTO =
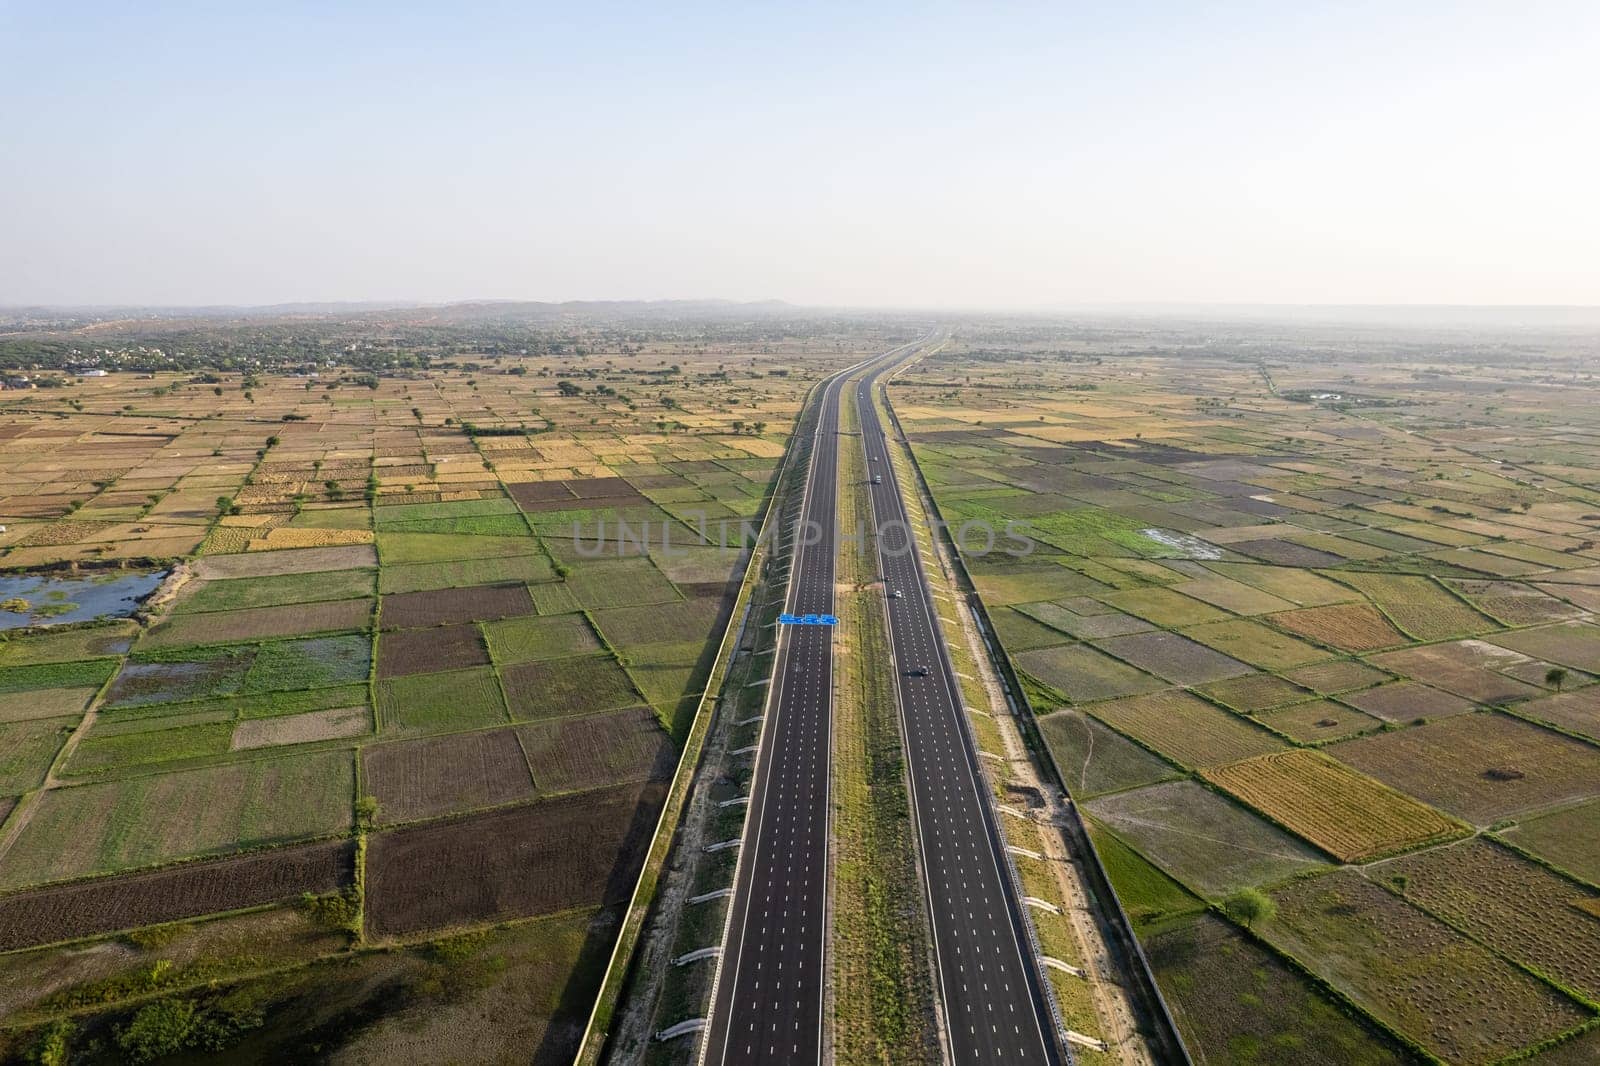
(768, 1004)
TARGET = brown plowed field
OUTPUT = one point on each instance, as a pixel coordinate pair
(573, 851)
(422, 651)
(445, 775)
(112, 903)
(408, 610)
(253, 623)
(602, 749)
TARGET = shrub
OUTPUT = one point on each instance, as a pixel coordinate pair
(164, 1027)
(50, 1049)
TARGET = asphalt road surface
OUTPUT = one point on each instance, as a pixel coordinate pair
(768, 1006)
(769, 995)
(994, 1007)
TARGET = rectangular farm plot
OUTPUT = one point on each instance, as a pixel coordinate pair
(1175, 658)
(520, 640)
(419, 577)
(1407, 701)
(440, 703)
(1569, 839)
(1330, 679)
(402, 652)
(140, 821)
(167, 739)
(68, 645)
(1467, 668)
(1232, 596)
(552, 598)
(558, 687)
(1575, 712)
(315, 662)
(1460, 1001)
(1094, 759)
(1103, 622)
(45, 916)
(411, 610)
(1319, 721)
(338, 723)
(210, 672)
(1228, 992)
(1021, 584)
(1185, 728)
(1256, 692)
(1513, 603)
(46, 703)
(294, 561)
(1420, 606)
(601, 749)
(1164, 607)
(1082, 673)
(1346, 814)
(572, 851)
(433, 776)
(1019, 632)
(27, 749)
(1571, 644)
(1204, 840)
(1482, 767)
(274, 591)
(605, 583)
(1352, 627)
(1300, 587)
(258, 623)
(691, 618)
(1517, 907)
(1256, 644)
(403, 548)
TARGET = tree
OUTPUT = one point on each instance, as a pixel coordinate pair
(1555, 677)
(738, 425)
(1249, 906)
(758, 428)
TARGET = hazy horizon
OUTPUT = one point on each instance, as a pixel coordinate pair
(1026, 158)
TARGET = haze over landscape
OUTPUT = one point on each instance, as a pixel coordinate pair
(827, 535)
(940, 156)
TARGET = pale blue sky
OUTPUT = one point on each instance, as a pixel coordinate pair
(938, 155)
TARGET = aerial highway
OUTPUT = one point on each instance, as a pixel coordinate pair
(767, 1007)
(993, 1001)
(768, 1003)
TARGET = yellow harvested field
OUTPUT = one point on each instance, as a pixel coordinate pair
(309, 538)
(762, 449)
(1343, 812)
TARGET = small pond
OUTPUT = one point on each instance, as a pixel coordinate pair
(44, 599)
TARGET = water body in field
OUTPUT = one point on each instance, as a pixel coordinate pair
(51, 599)
(1186, 546)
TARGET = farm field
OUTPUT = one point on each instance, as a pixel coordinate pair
(1351, 817)
(1236, 1002)
(1284, 612)
(425, 622)
(1453, 996)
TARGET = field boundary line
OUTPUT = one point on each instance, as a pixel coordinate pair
(592, 1044)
